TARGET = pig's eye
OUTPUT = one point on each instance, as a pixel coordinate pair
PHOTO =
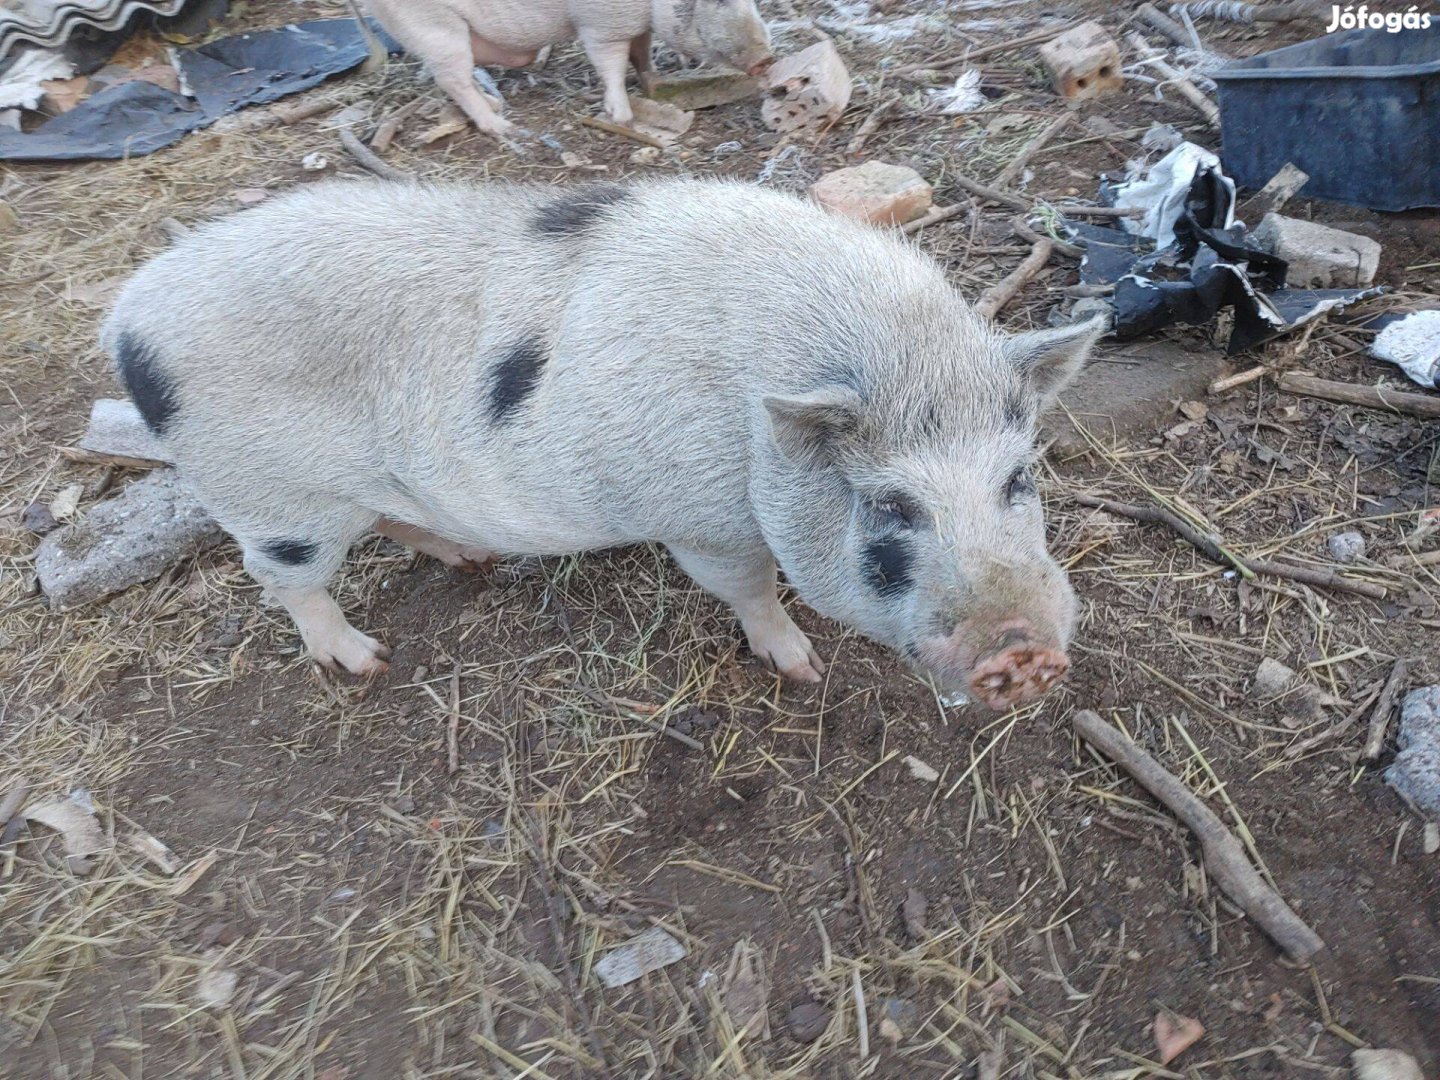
(1020, 485)
(896, 510)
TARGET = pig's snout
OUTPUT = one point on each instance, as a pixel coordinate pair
(1015, 665)
(1017, 674)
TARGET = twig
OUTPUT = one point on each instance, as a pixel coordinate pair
(388, 128)
(452, 729)
(10, 811)
(1370, 397)
(1000, 294)
(1022, 229)
(1188, 90)
(95, 457)
(1224, 856)
(1380, 718)
(621, 130)
(1015, 202)
(937, 215)
(871, 125)
(1166, 25)
(369, 160)
(1083, 291)
(1018, 163)
(293, 114)
(1212, 549)
(1037, 38)
(1230, 382)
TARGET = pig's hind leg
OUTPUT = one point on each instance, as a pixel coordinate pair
(610, 59)
(747, 583)
(295, 562)
(462, 557)
(445, 45)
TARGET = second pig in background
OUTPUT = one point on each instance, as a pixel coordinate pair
(453, 36)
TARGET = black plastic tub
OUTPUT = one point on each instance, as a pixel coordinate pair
(1359, 111)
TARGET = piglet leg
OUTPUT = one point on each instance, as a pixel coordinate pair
(747, 583)
(611, 59)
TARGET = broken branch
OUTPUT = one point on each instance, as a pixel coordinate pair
(1230, 382)
(1000, 294)
(1188, 90)
(1212, 549)
(1380, 718)
(1011, 171)
(935, 216)
(369, 160)
(1369, 397)
(1224, 856)
(1022, 229)
(624, 132)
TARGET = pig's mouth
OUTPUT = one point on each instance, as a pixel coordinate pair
(1015, 665)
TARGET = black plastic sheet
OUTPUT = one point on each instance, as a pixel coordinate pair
(138, 118)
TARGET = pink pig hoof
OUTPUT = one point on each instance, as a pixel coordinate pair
(1016, 675)
(363, 659)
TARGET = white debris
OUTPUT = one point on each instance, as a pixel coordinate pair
(648, 951)
(1162, 191)
(1385, 1065)
(1346, 547)
(215, 987)
(963, 97)
(20, 86)
(920, 770)
(1413, 345)
(73, 817)
(314, 162)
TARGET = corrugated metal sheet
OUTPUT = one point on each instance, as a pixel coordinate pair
(49, 23)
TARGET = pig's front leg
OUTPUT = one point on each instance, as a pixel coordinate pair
(610, 59)
(747, 583)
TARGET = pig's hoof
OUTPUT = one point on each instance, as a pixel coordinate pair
(470, 560)
(355, 654)
(793, 656)
(1016, 675)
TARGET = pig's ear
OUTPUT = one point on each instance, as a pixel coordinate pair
(807, 426)
(1050, 359)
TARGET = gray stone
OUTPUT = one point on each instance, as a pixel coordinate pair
(152, 524)
(1320, 257)
(117, 428)
(806, 1022)
(1346, 547)
(1416, 771)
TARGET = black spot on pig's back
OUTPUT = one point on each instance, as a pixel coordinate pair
(515, 377)
(577, 210)
(146, 382)
(886, 564)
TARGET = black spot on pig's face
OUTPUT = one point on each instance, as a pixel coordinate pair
(577, 210)
(515, 377)
(290, 552)
(886, 564)
(149, 387)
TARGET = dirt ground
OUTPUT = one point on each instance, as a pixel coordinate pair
(354, 908)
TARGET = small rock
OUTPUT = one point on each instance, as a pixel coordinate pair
(806, 91)
(807, 1022)
(648, 951)
(700, 90)
(315, 162)
(116, 427)
(215, 987)
(1174, 1034)
(1430, 838)
(1346, 547)
(661, 117)
(1319, 256)
(151, 525)
(250, 196)
(1416, 771)
(877, 192)
(913, 912)
(404, 804)
(919, 770)
(902, 1013)
(38, 519)
(1083, 62)
(890, 1030)
(1385, 1065)
(1194, 410)
(645, 155)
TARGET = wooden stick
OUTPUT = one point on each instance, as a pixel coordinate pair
(1188, 90)
(1380, 718)
(621, 130)
(94, 457)
(1230, 382)
(1212, 549)
(1010, 172)
(1037, 38)
(1015, 202)
(1224, 856)
(369, 160)
(871, 125)
(997, 296)
(1166, 25)
(1022, 229)
(1369, 397)
(937, 215)
(452, 728)
(388, 128)
(293, 114)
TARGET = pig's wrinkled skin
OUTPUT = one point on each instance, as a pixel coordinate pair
(452, 36)
(719, 368)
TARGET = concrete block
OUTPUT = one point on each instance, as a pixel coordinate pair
(877, 192)
(1084, 62)
(808, 90)
(152, 524)
(1320, 257)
